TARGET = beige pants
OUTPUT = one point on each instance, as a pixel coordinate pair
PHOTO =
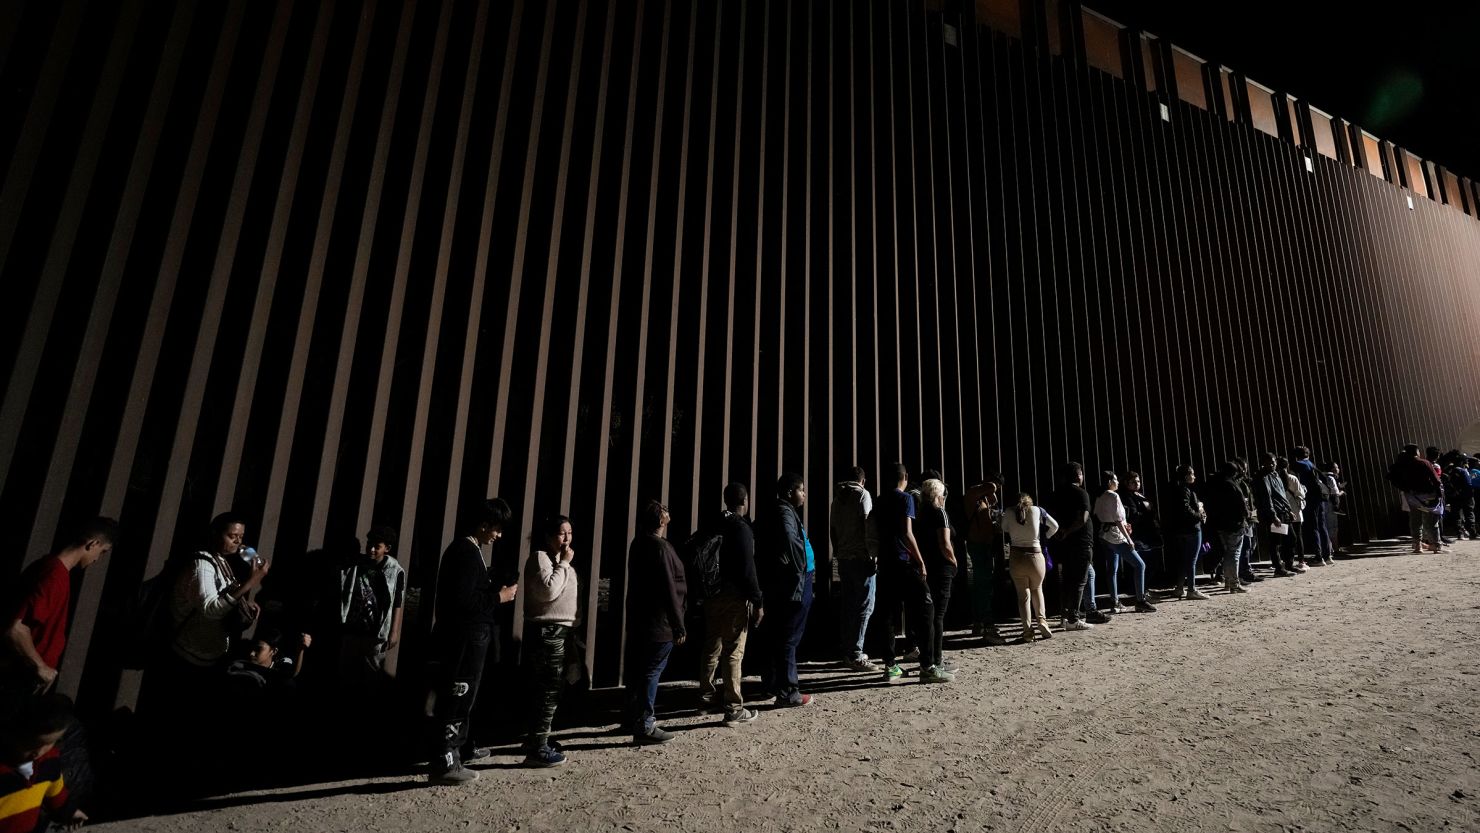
(1027, 571)
(726, 623)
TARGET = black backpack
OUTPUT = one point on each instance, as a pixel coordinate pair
(147, 618)
(701, 553)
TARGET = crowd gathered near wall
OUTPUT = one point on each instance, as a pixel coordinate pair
(216, 654)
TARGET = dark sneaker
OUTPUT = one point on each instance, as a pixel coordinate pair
(740, 715)
(651, 736)
(475, 753)
(800, 700)
(544, 757)
(936, 674)
(456, 776)
(1145, 606)
(1095, 617)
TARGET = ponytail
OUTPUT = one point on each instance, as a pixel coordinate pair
(1024, 504)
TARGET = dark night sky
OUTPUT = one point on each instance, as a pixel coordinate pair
(1406, 72)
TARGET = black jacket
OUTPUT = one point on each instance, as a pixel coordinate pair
(1179, 514)
(657, 590)
(781, 553)
(1270, 498)
(1225, 504)
(737, 557)
(467, 595)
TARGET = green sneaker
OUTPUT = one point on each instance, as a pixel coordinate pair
(936, 674)
(893, 673)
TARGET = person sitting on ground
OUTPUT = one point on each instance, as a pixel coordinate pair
(940, 560)
(32, 788)
(372, 599)
(36, 623)
(264, 664)
(551, 607)
(1115, 542)
(656, 591)
(1026, 526)
(730, 615)
(857, 568)
(1182, 516)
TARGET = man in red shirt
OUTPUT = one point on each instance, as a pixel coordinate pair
(36, 627)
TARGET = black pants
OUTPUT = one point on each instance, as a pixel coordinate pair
(544, 665)
(1074, 560)
(456, 678)
(941, 580)
(898, 583)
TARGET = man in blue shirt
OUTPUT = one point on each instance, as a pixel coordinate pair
(903, 580)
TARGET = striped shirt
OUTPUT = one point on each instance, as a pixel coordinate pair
(23, 795)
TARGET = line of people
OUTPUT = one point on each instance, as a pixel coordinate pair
(897, 553)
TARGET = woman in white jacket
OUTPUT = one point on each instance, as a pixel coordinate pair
(1026, 526)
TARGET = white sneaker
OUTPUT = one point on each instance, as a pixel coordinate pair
(1197, 594)
(1181, 593)
(1119, 609)
(1079, 625)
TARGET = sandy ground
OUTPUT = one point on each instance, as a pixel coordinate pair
(1345, 699)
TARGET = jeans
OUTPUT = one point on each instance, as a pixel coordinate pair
(1185, 548)
(1246, 553)
(786, 635)
(986, 565)
(1231, 544)
(544, 660)
(941, 580)
(1124, 553)
(1089, 591)
(899, 583)
(645, 663)
(726, 624)
(1074, 560)
(456, 680)
(1316, 533)
(857, 605)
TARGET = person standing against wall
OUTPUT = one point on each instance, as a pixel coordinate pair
(984, 545)
(465, 635)
(787, 567)
(857, 568)
(551, 608)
